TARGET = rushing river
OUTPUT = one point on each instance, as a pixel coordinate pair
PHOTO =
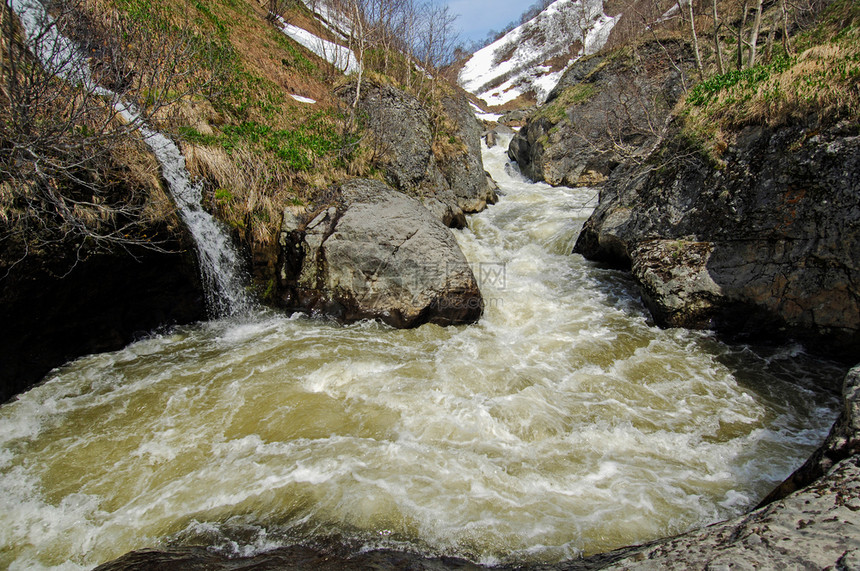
(563, 423)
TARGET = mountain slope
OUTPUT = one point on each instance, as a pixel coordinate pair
(528, 61)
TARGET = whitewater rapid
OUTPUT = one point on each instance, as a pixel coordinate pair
(563, 423)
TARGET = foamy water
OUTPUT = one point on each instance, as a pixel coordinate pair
(563, 423)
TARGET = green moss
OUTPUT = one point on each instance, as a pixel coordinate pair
(577, 94)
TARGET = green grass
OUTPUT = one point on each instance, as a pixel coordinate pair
(298, 147)
(577, 94)
(749, 79)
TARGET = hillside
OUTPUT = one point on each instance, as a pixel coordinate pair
(266, 104)
(523, 66)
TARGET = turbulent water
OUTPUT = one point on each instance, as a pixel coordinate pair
(562, 423)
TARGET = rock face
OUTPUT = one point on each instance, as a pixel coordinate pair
(763, 242)
(378, 254)
(604, 107)
(53, 312)
(447, 170)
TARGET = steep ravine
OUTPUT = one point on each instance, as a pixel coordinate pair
(808, 528)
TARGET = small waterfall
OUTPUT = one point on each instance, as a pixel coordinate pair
(220, 264)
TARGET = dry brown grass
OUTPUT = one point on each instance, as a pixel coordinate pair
(822, 85)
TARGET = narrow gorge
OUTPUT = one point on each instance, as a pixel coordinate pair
(564, 411)
(322, 310)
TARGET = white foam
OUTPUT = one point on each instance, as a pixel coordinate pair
(561, 423)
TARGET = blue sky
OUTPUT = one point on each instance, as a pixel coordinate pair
(477, 17)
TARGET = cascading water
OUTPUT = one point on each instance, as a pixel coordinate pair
(562, 423)
(220, 264)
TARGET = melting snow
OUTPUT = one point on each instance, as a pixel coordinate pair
(301, 99)
(480, 114)
(522, 72)
(341, 57)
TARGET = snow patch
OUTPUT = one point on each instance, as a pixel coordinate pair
(484, 116)
(332, 20)
(339, 56)
(301, 99)
(527, 48)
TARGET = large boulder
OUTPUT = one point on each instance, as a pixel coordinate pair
(377, 254)
(605, 107)
(437, 159)
(764, 242)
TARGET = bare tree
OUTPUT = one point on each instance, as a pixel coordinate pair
(740, 35)
(785, 40)
(718, 50)
(691, 17)
(63, 138)
(753, 41)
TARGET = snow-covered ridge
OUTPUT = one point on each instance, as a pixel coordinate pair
(517, 63)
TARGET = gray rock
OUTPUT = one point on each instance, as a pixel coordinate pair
(445, 206)
(781, 221)
(378, 255)
(606, 107)
(403, 131)
(464, 170)
(680, 293)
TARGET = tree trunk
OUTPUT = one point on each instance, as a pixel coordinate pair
(785, 42)
(754, 33)
(770, 35)
(718, 50)
(357, 26)
(740, 61)
(695, 37)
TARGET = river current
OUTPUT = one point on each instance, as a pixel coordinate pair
(563, 423)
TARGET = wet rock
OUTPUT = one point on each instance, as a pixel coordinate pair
(57, 305)
(445, 207)
(462, 165)
(378, 254)
(675, 283)
(779, 219)
(295, 558)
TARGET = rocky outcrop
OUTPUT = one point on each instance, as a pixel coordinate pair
(604, 108)
(55, 308)
(294, 558)
(377, 254)
(440, 162)
(763, 242)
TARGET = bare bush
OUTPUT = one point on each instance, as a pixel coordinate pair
(65, 143)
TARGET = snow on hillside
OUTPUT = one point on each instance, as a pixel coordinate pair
(341, 57)
(533, 57)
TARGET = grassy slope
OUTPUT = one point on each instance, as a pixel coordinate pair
(819, 84)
